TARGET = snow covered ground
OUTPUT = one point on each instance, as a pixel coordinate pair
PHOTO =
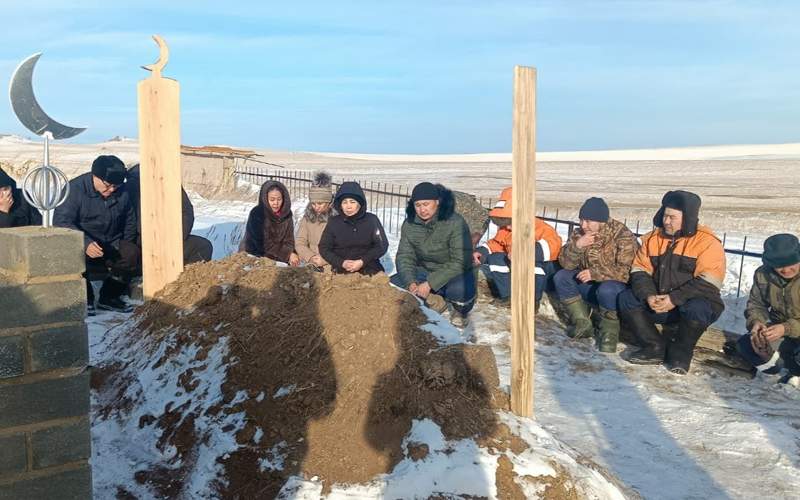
(706, 435)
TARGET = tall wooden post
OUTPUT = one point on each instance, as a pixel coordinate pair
(523, 245)
(160, 173)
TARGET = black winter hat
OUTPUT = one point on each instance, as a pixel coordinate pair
(689, 205)
(425, 191)
(594, 209)
(110, 169)
(781, 250)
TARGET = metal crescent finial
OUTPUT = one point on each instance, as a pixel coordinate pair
(163, 57)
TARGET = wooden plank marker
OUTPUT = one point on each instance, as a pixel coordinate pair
(160, 173)
(523, 248)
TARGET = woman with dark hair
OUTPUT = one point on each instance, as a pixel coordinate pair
(354, 240)
(434, 258)
(314, 220)
(270, 226)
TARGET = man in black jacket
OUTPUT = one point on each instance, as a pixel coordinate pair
(195, 248)
(15, 211)
(101, 210)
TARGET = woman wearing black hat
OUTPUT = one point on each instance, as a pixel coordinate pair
(353, 241)
(773, 309)
(434, 258)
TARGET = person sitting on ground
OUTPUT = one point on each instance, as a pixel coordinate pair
(195, 248)
(314, 220)
(354, 240)
(597, 262)
(15, 211)
(270, 226)
(675, 281)
(494, 256)
(434, 257)
(99, 208)
(773, 309)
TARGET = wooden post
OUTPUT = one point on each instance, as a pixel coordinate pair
(160, 171)
(523, 245)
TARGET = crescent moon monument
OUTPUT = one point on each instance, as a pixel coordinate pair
(44, 187)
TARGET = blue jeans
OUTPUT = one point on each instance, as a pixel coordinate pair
(787, 349)
(459, 292)
(497, 269)
(601, 293)
(696, 309)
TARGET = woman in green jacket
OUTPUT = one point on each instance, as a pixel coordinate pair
(434, 258)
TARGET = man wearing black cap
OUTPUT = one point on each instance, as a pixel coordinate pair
(675, 281)
(773, 309)
(434, 257)
(596, 263)
(14, 209)
(101, 210)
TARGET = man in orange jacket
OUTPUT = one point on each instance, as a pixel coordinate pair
(494, 256)
(675, 281)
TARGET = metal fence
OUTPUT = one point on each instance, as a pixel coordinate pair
(388, 202)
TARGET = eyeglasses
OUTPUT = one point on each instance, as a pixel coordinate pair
(108, 185)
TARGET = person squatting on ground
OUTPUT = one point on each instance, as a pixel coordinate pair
(195, 248)
(596, 263)
(354, 240)
(15, 211)
(270, 226)
(773, 309)
(494, 256)
(314, 220)
(675, 281)
(99, 208)
(434, 257)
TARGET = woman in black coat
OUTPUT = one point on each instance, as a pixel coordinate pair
(270, 226)
(354, 240)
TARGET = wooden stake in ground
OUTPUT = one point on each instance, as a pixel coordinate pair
(160, 173)
(523, 245)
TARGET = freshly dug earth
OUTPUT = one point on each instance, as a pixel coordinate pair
(330, 371)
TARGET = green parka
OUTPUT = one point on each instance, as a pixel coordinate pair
(442, 246)
(774, 300)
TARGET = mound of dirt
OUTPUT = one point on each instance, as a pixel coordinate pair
(326, 371)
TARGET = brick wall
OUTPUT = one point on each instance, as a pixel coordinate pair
(45, 441)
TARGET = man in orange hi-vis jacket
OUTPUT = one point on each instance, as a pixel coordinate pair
(675, 281)
(494, 256)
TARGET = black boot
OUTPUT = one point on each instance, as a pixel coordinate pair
(652, 343)
(110, 294)
(681, 349)
(90, 309)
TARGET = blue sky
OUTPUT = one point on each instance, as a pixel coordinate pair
(420, 77)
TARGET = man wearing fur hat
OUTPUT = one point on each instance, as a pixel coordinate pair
(675, 281)
(596, 265)
(14, 209)
(314, 220)
(102, 211)
(773, 309)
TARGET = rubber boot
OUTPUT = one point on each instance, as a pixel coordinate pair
(580, 324)
(607, 331)
(436, 302)
(652, 343)
(110, 294)
(681, 349)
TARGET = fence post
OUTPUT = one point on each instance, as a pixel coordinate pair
(741, 267)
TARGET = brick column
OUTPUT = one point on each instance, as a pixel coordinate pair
(45, 440)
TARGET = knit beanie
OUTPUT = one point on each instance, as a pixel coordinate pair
(781, 250)
(594, 209)
(424, 191)
(109, 169)
(321, 188)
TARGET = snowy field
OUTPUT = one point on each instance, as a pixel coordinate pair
(706, 435)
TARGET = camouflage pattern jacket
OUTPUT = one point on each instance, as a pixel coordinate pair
(608, 258)
(774, 300)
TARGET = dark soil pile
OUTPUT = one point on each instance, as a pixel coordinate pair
(334, 369)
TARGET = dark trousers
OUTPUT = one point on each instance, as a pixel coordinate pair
(787, 355)
(196, 249)
(601, 293)
(696, 309)
(497, 269)
(116, 267)
(459, 292)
